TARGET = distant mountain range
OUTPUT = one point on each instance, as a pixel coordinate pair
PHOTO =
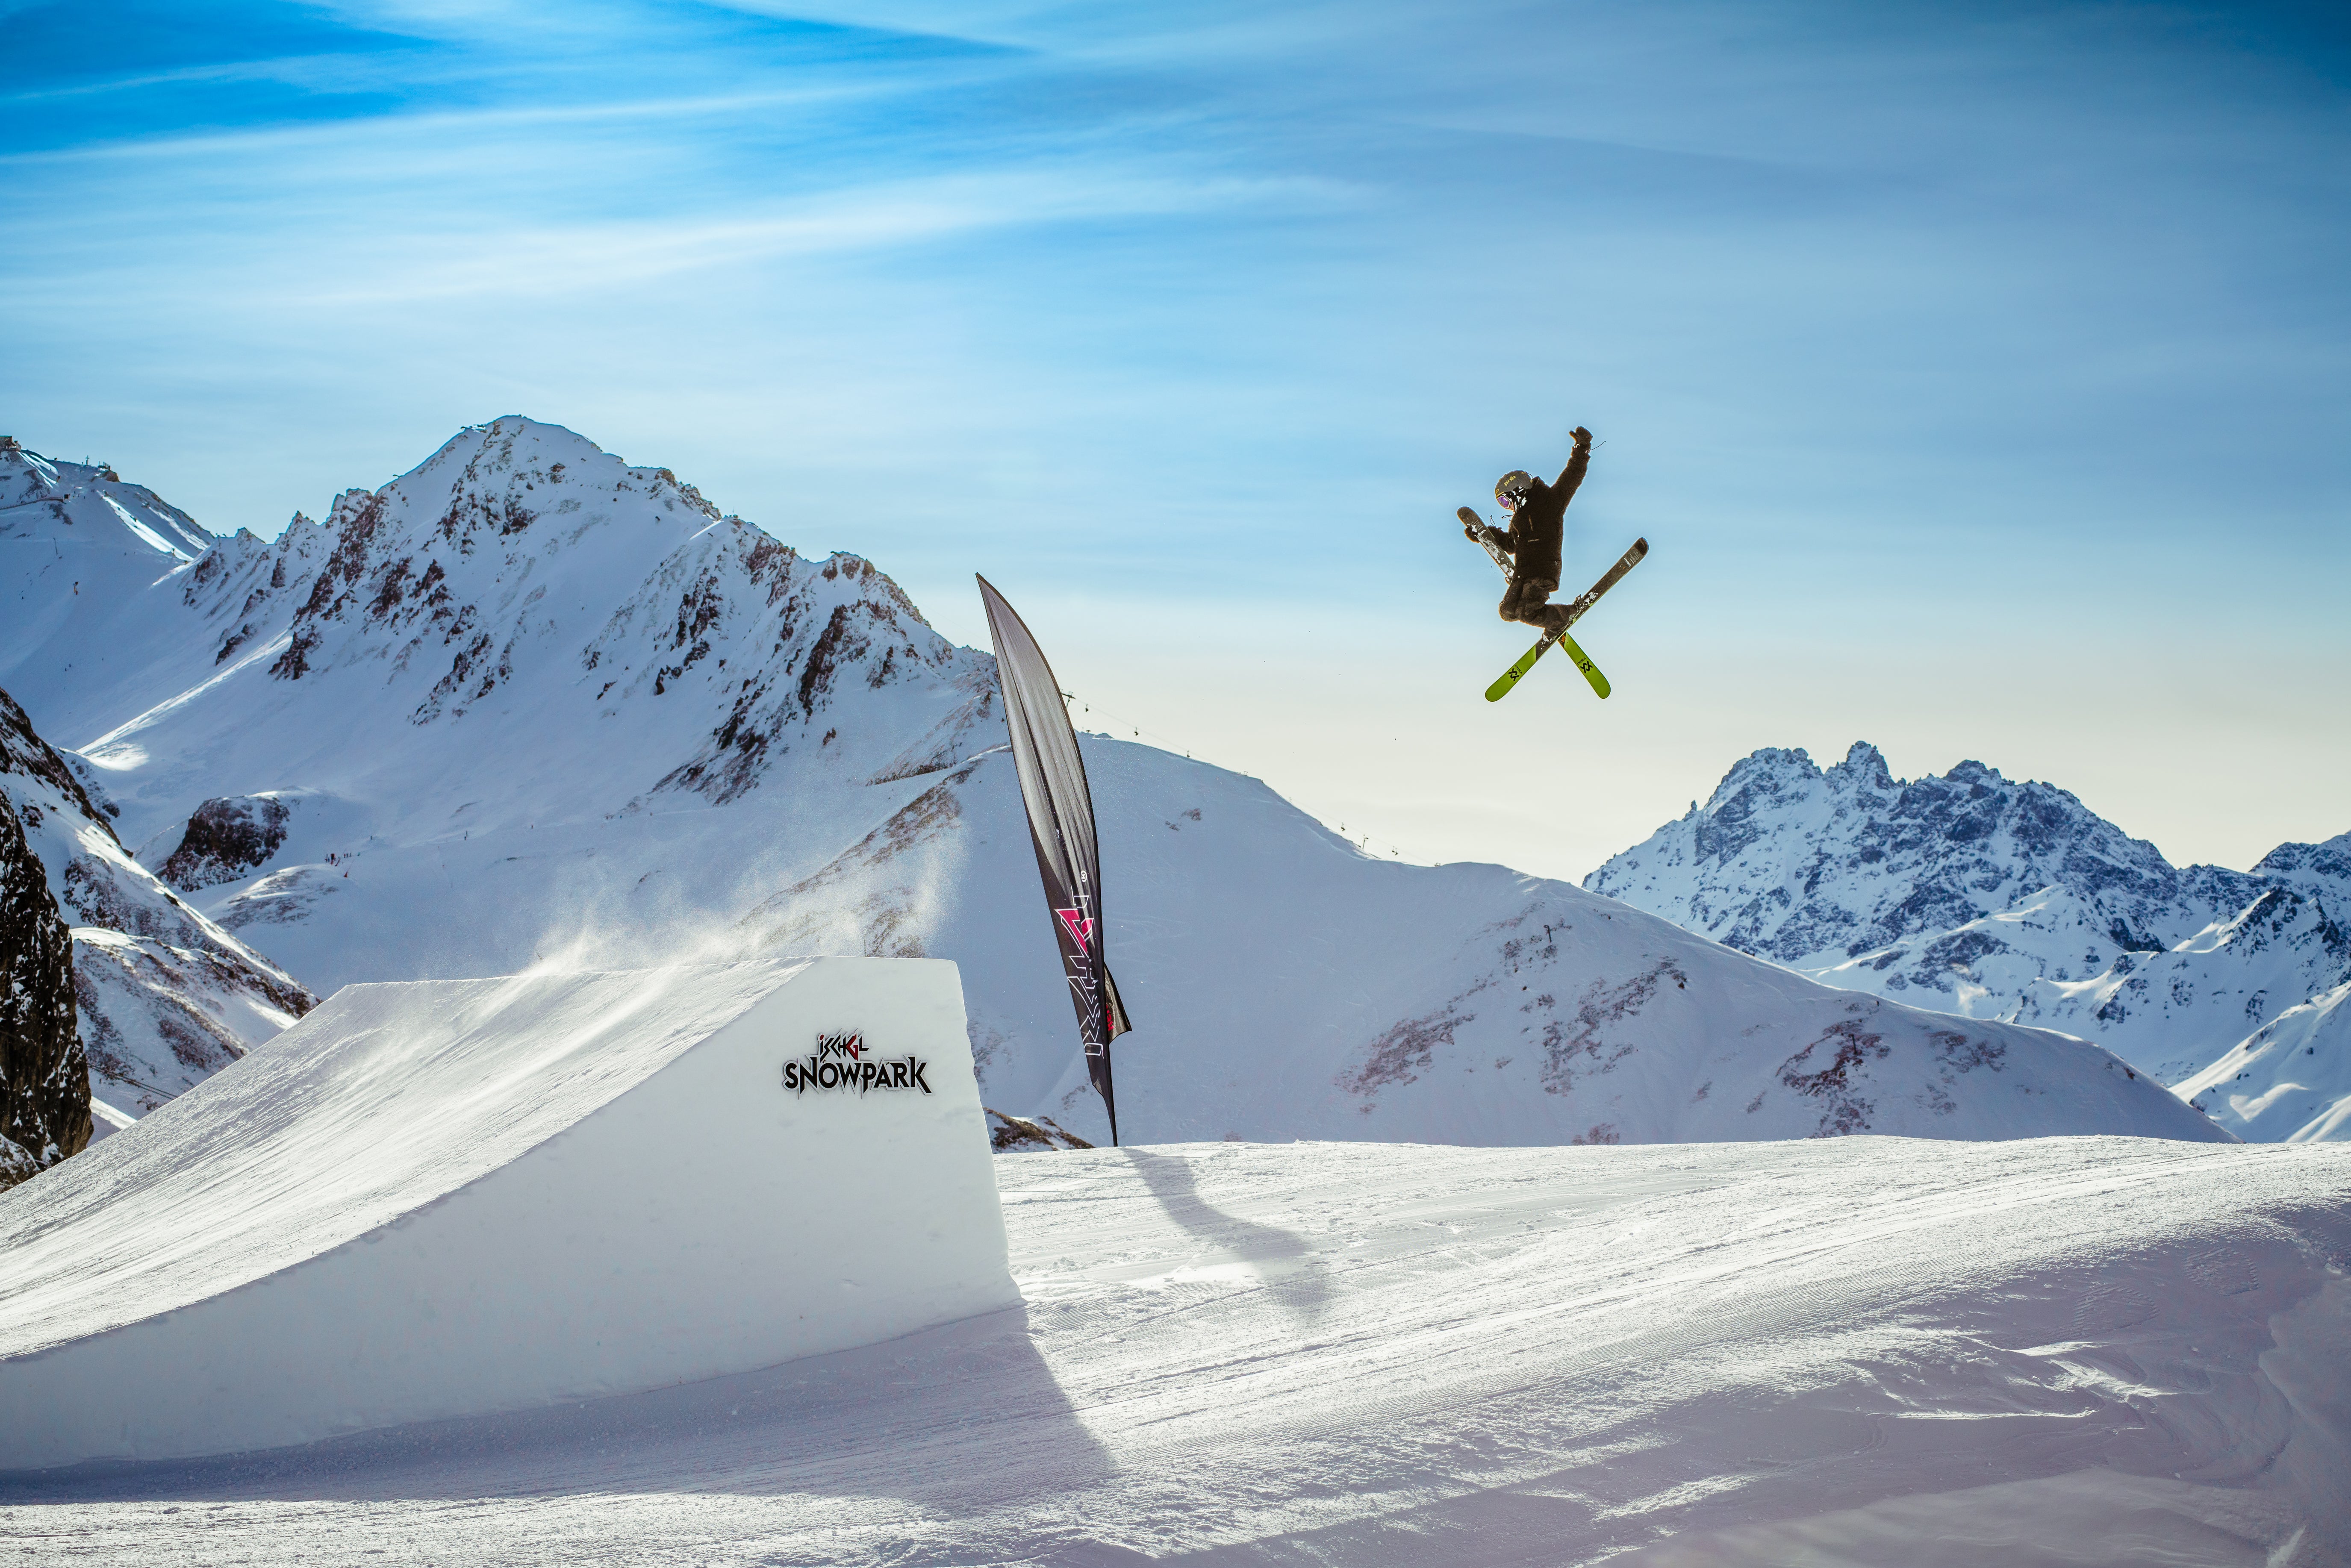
(527, 704)
(1977, 895)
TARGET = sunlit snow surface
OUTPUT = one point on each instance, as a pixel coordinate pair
(2290, 1081)
(1852, 1351)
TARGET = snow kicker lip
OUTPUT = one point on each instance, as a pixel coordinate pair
(577, 1183)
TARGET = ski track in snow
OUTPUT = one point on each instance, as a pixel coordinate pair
(1859, 1350)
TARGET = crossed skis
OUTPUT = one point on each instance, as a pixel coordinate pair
(1591, 596)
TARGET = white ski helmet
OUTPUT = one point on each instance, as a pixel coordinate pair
(1511, 488)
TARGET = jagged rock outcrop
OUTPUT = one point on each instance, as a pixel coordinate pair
(44, 1076)
(227, 837)
(1977, 894)
(1029, 1136)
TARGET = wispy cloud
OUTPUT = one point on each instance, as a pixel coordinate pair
(539, 263)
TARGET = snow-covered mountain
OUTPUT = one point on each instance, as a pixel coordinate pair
(86, 516)
(483, 584)
(1992, 899)
(165, 998)
(1288, 985)
(528, 703)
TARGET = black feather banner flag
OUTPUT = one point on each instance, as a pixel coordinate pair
(1062, 826)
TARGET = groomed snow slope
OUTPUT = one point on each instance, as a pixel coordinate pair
(449, 1198)
(1865, 1351)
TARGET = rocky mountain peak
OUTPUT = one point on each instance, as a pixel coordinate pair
(525, 578)
(1770, 769)
(1995, 898)
(1863, 767)
(2313, 867)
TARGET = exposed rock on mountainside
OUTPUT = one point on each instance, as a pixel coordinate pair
(44, 1077)
(1993, 899)
(2319, 870)
(227, 837)
(165, 998)
(1026, 1136)
(529, 705)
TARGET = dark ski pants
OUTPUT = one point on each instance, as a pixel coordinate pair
(1526, 599)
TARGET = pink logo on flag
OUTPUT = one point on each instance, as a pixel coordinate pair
(1083, 929)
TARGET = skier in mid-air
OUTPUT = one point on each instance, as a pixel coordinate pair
(1528, 556)
(1538, 517)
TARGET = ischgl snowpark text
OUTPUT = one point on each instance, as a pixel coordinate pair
(841, 1062)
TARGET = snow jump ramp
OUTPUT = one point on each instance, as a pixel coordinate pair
(453, 1198)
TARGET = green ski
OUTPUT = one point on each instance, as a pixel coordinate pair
(1583, 661)
(1509, 677)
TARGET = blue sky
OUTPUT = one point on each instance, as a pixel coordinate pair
(1978, 373)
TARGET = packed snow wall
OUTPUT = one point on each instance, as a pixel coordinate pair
(454, 1198)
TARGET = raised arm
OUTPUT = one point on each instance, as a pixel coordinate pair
(1572, 474)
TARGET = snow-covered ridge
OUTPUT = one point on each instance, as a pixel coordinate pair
(1353, 997)
(47, 498)
(2289, 1081)
(1983, 896)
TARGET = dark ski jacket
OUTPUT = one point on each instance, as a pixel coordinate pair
(1542, 517)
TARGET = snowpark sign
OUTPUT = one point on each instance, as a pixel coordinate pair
(841, 1062)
